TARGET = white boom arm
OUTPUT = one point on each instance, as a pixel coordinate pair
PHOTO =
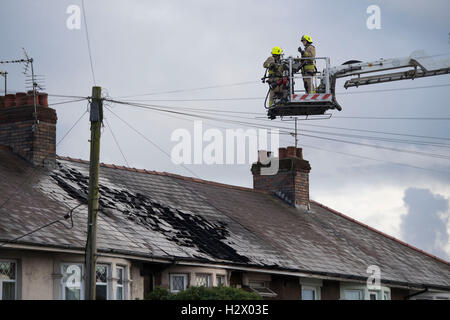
(417, 65)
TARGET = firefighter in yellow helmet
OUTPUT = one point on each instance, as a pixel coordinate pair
(275, 78)
(308, 65)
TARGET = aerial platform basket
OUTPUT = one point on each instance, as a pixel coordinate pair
(303, 105)
(293, 102)
(296, 102)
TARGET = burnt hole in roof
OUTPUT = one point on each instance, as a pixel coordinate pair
(182, 228)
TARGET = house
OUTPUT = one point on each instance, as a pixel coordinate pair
(161, 229)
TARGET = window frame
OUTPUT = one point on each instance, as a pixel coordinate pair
(122, 286)
(208, 279)
(311, 288)
(63, 283)
(263, 293)
(366, 292)
(361, 293)
(185, 281)
(108, 276)
(222, 276)
(15, 281)
(376, 293)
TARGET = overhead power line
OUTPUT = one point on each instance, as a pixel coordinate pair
(65, 102)
(395, 89)
(311, 136)
(374, 159)
(378, 132)
(192, 89)
(88, 42)
(150, 141)
(66, 216)
(171, 115)
(35, 168)
(266, 125)
(117, 142)
(392, 118)
(262, 98)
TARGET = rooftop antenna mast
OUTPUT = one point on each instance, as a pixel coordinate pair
(295, 133)
(28, 64)
(5, 75)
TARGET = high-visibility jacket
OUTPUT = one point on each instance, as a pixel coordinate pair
(310, 52)
(275, 68)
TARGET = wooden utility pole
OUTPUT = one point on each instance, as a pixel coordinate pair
(96, 118)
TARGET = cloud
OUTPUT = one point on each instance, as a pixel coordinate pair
(425, 224)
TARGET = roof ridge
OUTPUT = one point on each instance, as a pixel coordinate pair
(168, 174)
(380, 232)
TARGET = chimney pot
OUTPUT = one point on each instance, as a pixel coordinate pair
(30, 99)
(43, 99)
(290, 152)
(299, 153)
(21, 99)
(282, 153)
(10, 100)
(2, 101)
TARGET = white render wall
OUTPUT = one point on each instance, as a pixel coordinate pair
(39, 274)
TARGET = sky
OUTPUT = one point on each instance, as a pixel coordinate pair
(148, 47)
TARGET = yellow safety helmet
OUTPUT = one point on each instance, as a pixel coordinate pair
(277, 50)
(307, 38)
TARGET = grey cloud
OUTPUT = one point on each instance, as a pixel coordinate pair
(425, 224)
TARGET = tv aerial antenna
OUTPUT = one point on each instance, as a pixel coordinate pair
(32, 81)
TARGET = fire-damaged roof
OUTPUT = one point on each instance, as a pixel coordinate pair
(165, 216)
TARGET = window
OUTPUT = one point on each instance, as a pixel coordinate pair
(353, 294)
(308, 293)
(71, 282)
(178, 282)
(7, 280)
(120, 273)
(386, 295)
(310, 288)
(203, 280)
(261, 288)
(101, 282)
(220, 280)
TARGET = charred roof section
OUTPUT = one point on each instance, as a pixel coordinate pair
(178, 226)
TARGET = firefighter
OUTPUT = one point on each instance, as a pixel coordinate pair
(309, 65)
(275, 78)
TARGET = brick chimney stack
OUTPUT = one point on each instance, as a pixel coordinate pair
(38, 146)
(291, 182)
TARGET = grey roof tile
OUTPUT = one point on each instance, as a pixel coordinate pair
(173, 216)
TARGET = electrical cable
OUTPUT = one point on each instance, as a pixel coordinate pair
(150, 141)
(66, 216)
(65, 102)
(34, 170)
(348, 154)
(192, 89)
(374, 159)
(73, 126)
(278, 127)
(392, 118)
(117, 143)
(88, 41)
(261, 98)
